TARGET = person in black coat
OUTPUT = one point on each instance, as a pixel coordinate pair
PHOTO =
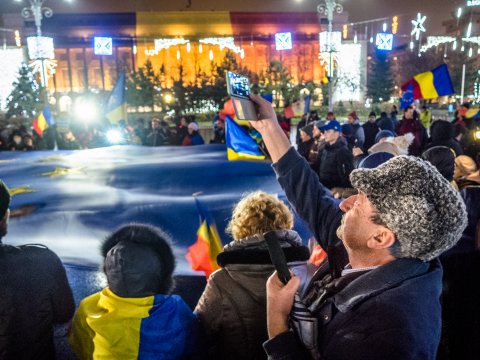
(34, 295)
(443, 133)
(370, 129)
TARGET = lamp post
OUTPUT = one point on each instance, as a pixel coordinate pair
(37, 11)
(329, 8)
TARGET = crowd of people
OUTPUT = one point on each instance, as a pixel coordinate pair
(183, 131)
(387, 205)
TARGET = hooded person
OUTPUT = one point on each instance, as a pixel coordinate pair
(135, 316)
(232, 309)
(307, 140)
(35, 295)
(443, 134)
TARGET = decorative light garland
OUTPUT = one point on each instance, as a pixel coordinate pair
(162, 44)
(475, 40)
(46, 68)
(433, 41)
(223, 42)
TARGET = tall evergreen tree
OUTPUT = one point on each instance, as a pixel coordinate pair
(24, 100)
(380, 81)
(276, 78)
(143, 87)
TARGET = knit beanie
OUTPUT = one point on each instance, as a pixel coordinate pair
(417, 203)
(443, 158)
(308, 130)
(139, 261)
(383, 134)
(4, 199)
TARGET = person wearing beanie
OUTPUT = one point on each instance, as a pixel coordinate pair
(336, 160)
(135, 317)
(193, 136)
(370, 128)
(358, 133)
(306, 140)
(379, 296)
(35, 295)
(397, 145)
(232, 309)
(443, 158)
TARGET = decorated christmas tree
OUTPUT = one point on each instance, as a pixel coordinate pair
(25, 96)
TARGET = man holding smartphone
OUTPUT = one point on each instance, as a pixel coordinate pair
(380, 299)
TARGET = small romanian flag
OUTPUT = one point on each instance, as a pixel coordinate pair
(240, 145)
(43, 121)
(202, 255)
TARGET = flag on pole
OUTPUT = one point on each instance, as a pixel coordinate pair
(116, 108)
(202, 255)
(301, 107)
(43, 121)
(429, 85)
(240, 145)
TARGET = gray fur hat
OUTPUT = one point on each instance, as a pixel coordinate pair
(417, 203)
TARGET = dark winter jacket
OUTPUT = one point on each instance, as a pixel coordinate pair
(415, 127)
(370, 130)
(35, 295)
(335, 165)
(385, 123)
(391, 312)
(232, 308)
(305, 147)
(442, 134)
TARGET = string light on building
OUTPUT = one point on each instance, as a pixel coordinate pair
(454, 46)
(394, 25)
(345, 31)
(242, 54)
(355, 37)
(178, 54)
(469, 29)
(200, 48)
(459, 12)
(384, 27)
(210, 55)
(223, 42)
(470, 52)
(433, 41)
(188, 47)
(18, 39)
(475, 40)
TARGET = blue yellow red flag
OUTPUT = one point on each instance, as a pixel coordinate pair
(43, 121)
(116, 109)
(240, 145)
(202, 255)
(430, 84)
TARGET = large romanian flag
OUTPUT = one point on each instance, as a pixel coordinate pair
(240, 145)
(429, 85)
(43, 121)
(202, 255)
(107, 326)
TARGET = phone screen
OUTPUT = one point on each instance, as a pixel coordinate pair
(238, 85)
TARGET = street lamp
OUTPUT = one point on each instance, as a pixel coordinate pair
(329, 8)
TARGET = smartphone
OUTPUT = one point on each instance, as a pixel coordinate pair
(238, 87)
(277, 256)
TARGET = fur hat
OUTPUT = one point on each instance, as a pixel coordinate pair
(139, 261)
(417, 203)
(4, 199)
(396, 146)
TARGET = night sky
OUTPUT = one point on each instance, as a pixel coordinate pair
(359, 10)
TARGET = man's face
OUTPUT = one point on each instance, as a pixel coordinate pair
(409, 114)
(357, 225)
(155, 124)
(330, 117)
(4, 224)
(331, 136)
(371, 118)
(316, 132)
(304, 136)
(350, 119)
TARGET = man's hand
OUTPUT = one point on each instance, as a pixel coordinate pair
(267, 125)
(279, 303)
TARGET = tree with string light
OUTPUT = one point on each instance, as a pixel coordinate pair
(24, 100)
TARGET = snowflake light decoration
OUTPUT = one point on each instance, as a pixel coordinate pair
(418, 27)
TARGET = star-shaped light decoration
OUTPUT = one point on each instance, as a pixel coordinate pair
(418, 27)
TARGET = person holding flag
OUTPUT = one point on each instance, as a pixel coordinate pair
(232, 309)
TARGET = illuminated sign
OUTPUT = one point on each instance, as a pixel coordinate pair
(473, 2)
(384, 41)
(103, 45)
(335, 41)
(283, 41)
(40, 47)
